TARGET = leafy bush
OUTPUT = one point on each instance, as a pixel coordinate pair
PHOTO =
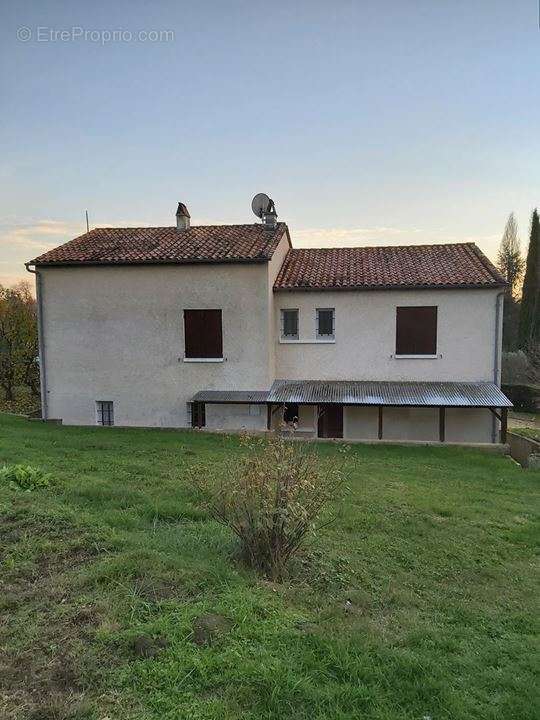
(24, 477)
(515, 368)
(521, 368)
(271, 499)
(524, 397)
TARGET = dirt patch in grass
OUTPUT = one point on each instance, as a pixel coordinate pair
(154, 591)
(208, 629)
(44, 639)
(148, 647)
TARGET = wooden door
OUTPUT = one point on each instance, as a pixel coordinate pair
(330, 424)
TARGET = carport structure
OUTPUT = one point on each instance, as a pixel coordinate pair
(331, 397)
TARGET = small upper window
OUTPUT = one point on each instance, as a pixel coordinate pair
(416, 330)
(289, 324)
(325, 323)
(104, 412)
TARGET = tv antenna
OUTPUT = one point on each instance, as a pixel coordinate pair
(87, 226)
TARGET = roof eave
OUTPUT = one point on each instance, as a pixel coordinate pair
(115, 263)
(360, 288)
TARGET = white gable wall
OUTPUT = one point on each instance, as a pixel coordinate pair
(365, 328)
(117, 333)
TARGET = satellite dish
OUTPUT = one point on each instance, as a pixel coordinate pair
(262, 204)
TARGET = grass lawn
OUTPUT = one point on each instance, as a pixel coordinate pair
(103, 576)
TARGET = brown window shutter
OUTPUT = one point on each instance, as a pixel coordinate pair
(213, 334)
(203, 334)
(416, 330)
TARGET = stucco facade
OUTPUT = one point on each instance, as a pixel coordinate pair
(115, 333)
(365, 336)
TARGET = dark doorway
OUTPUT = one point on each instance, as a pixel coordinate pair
(330, 423)
(291, 413)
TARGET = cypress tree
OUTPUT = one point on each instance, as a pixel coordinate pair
(509, 260)
(529, 318)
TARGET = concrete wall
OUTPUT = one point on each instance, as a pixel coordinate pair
(525, 450)
(117, 333)
(360, 423)
(366, 333)
(461, 424)
(235, 417)
(469, 425)
(466, 425)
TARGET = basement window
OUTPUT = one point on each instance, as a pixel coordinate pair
(198, 415)
(416, 331)
(289, 324)
(104, 412)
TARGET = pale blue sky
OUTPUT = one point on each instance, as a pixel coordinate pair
(371, 122)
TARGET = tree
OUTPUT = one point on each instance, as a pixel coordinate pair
(18, 340)
(529, 319)
(510, 264)
(509, 259)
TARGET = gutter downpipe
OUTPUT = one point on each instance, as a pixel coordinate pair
(497, 355)
(41, 340)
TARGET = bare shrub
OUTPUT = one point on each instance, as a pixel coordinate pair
(271, 499)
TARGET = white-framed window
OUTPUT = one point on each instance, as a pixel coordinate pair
(104, 412)
(325, 323)
(289, 324)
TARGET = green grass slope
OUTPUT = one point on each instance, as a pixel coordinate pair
(103, 575)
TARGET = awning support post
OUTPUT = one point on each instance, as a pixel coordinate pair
(442, 424)
(380, 430)
(494, 412)
(268, 416)
(504, 424)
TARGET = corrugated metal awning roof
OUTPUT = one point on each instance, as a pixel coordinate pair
(365, 392)
(231, 396)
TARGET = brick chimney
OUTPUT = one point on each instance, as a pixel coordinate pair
(182, 217)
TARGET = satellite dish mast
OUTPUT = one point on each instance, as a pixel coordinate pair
(264, 208)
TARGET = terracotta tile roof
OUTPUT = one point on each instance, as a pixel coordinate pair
(204, 243)
(413, 266)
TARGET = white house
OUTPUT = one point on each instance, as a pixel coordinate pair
(230, 327)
